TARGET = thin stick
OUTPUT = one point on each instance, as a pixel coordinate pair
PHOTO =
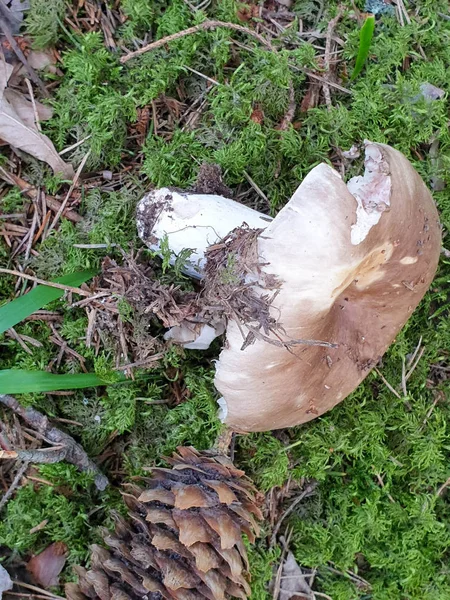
(403, 11)
(278, 578)
(36, 589)
(59, 286)
(210, 79)
(32, 230)
(439, 395)
(387, 384)
(205, 26)
(339, 87)
(45, 220)
(13, 333)
(24, 595)
(416, 362)
(404, 388)
(45, 456)
(289, 115)
(381, 482)
(327, 60)
(414, 354)
(443, 487)
(73, 146)
(306, 492)
(13, 216)
(66, 199)
(140, 363)
(33, 102)
(13, 485)
(75, 454)
(256, 187)
(31, 192)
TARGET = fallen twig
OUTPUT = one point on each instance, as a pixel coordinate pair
(306, 492)
(443, 487)
(387, 384)
(327, 59)
(37, 589)
(289, 115)
(72, 186)
(59, 286)
(381, 482)
(14, 484)
(74, 453)
(206, 25)
(438, 395)
(33, 102)
(31, 192)
(41, 456)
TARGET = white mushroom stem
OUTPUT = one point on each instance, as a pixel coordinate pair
(191, 221)
(196, 336)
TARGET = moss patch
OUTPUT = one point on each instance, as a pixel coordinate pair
(219, 96)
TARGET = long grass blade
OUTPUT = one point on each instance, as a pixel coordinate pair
(14, 381)
(24, 306)
(365, 40)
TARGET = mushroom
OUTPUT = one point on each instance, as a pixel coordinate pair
(354, 261)
(191, 221)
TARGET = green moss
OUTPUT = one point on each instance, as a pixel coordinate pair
(43, 21)
(65, 505)
(401, 546)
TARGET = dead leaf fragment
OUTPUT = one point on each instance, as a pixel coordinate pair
(5, 581)
(46, 566)
(24, 108)
(293, 580)
(18, 127)
(39, 60)
(12, 12)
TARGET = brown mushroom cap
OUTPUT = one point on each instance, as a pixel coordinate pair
(353, 267)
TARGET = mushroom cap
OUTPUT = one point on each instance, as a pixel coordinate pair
(354, 262)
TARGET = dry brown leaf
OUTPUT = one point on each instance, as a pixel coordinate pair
(46, 566)
(24, 108)
(18, 132)
(39, 60)
(293, 580)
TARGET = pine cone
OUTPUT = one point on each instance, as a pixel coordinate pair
(183, 538)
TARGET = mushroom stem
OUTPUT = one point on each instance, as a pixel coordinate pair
(191, 221)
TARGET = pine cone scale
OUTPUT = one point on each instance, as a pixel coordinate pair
(183, 538)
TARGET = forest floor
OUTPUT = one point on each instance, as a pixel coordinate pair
(266, 101)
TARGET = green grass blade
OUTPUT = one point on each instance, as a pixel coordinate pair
(14, 381)
(24, 306)
(365, 39)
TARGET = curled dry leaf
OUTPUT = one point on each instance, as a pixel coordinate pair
(46, 566)
(5, 581)
(18, 127)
